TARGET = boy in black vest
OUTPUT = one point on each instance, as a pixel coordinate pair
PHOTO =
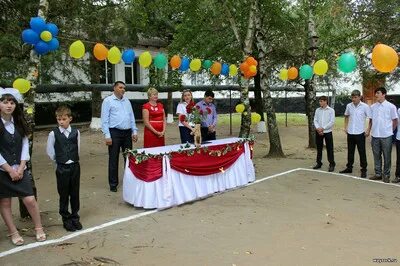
(63, 146)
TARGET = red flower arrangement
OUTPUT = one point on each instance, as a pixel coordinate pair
(195, 114)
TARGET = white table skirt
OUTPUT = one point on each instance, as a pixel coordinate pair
(175, 188)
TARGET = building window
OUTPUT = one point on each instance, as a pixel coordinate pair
(129, 74)
(132, 72)
(110, 73)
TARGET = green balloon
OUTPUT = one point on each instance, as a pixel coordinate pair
(347, 62)
(306, 72)
(207, 64)
(160, 61)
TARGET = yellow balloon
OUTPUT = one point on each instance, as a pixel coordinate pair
(320, 67)
(384, 58)
(283, 74)
(77, 49)
(233, 70)
(114, 55)
(145, 59)
(46, 36)
(29, 110)
(22, 85)
(255, 118)
(240, 108)
(195, 65)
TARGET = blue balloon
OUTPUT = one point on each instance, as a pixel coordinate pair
(30, 36)
(53, 29)
(38, 24)
(184, 64)
(225, 69)
(53, 44)
(128, 56)
(41, 48)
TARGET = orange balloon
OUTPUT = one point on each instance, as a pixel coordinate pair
(251, 61)
(100, 51)
(252, 70)
(175, 62)
(247, 75)
(244, 67)
(216, 68)
(384, 58)
(292, 73)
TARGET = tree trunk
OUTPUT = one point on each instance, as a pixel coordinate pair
(275, 149)
(258, 96)
(29, 105)
(246, 115)
(95, 72)
(170, 108)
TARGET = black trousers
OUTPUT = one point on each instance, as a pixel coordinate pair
(185, 135)
(358, 141)
(121, 140)
(329, 147)
(205, 135)
(68, 183)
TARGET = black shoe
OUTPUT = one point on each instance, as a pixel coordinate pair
(376, 177)
(77, 225)
(69, 226)
(363, 174)
(331, 168)
(113, 189)
(317, 166)
(386, 179)
(346, 171)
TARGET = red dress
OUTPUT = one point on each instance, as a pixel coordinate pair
(156, 119)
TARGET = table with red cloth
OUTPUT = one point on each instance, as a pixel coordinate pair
(172, 175)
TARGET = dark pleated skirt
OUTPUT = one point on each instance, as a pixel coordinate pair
(20, 188)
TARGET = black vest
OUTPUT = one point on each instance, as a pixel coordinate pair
(10, 145)
(66, 148)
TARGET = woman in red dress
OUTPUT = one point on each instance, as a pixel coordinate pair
(154, 121)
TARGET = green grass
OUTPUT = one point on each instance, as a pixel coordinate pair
(293, 119)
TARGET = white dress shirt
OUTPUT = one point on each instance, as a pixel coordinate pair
(51, 140)
(9, 126)
(324, 118)
(181, 110)
(357, 115)
(383, 115)
(398, 126)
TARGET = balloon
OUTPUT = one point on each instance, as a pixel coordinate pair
(252, 70)
(100, 52)
(251, 61)
(244, 67)
(128, 56)
(175, 62)
(77, 49)
(240, 108)
(225, 69)
(384, 58)
(53, 44)
(52, 28)
(347, 62)
(30, 36)
(41, 48)
(160, 61)
(38, 24)
(283, 74)
(114, 55)
(216, 68)
(145, 59)
(233, 70)
(255, 118)
(320, 67)
(306, 72)
(292, 73)
(46, 36)
(22, 85)
(195, 65)
(207, 64)
(184, 64)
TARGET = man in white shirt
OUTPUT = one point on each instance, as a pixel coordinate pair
(383, 122)
(354, 125)
(324, 120)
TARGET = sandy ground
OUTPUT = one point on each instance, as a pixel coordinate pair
(299, 218)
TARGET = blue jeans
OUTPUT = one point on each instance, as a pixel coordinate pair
(382, 146)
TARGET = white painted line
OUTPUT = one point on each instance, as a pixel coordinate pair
(64, 238)
(136, 216)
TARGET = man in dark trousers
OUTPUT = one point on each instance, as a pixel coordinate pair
(119, 129)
